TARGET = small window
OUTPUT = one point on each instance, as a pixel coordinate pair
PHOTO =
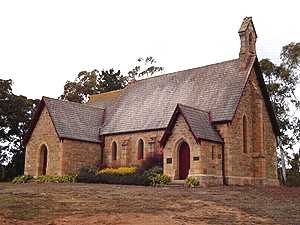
(114, 151)
(244, 134)
(213, 152)
(141, 149)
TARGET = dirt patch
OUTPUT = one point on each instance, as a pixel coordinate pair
(63, 204)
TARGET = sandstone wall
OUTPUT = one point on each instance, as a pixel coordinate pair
(259, 161)
(207, 169)
(127, 147)
(77, 154)
(43, 134)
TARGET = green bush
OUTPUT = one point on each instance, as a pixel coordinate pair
(159, 179)
(45, 179)
(56, 179)
(123, 175)
(21, 179)
(293, 180)
(2, 173)
(192, 182)
(103, 178)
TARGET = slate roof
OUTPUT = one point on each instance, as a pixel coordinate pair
(198, 121)
(75, 120)
(149, 104)
(71, 120)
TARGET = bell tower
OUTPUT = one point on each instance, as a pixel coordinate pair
(248, 42)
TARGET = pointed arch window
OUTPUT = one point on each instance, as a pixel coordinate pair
(114, 151)
(140, 149)
(245, 134)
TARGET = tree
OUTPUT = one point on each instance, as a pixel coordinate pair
(293, 173)
(15, 115)
(94, 82)
(282, 81)
(146, 67)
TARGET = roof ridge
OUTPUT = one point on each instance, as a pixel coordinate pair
(167, 74)
(74, 103)
(179, 104)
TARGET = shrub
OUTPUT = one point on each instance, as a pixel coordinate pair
(293, 180)
(118, 171)
(152, 161)
(159, 179)
(2, 173)
(153, 171)
(21, 179)
(56, 179)
(192, 182)
(86, 174)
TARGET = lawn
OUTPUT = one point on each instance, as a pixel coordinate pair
(116, 204)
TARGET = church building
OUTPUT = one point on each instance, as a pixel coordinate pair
(214, 123)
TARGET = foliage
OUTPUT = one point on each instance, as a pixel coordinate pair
(21, 179)
(156, 170)
(16, 112)
(146, 67)
(293, 173)
(94, 82)
(152, 161)
(159, 179)
(123, 175)
(2, 173)
(281, 81)
(118, 171)
(128, 179)
(45, 179)
(87, 174)
(192, 182)
(56, 179)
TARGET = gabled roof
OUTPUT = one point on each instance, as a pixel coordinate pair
(71, 120)
(198, 121)
(148, 104)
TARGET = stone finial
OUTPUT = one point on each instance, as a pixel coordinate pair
(248, 42)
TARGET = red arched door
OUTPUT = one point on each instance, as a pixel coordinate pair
(184, 160)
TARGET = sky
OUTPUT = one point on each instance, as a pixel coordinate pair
(45, 43)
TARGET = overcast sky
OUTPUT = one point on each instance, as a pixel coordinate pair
(45, 43)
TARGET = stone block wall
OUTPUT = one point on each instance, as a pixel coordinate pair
(76, 154)
(203, 166)
(64, 157)
(43, 134)
(127, 147)
(258, 165)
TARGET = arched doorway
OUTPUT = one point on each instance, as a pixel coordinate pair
(184, 160)
(43, 160)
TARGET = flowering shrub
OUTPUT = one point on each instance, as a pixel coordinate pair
(118, 171)
(56, 179)
(21, 179)
(192, 182)
(45, 179)
(159, 179)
